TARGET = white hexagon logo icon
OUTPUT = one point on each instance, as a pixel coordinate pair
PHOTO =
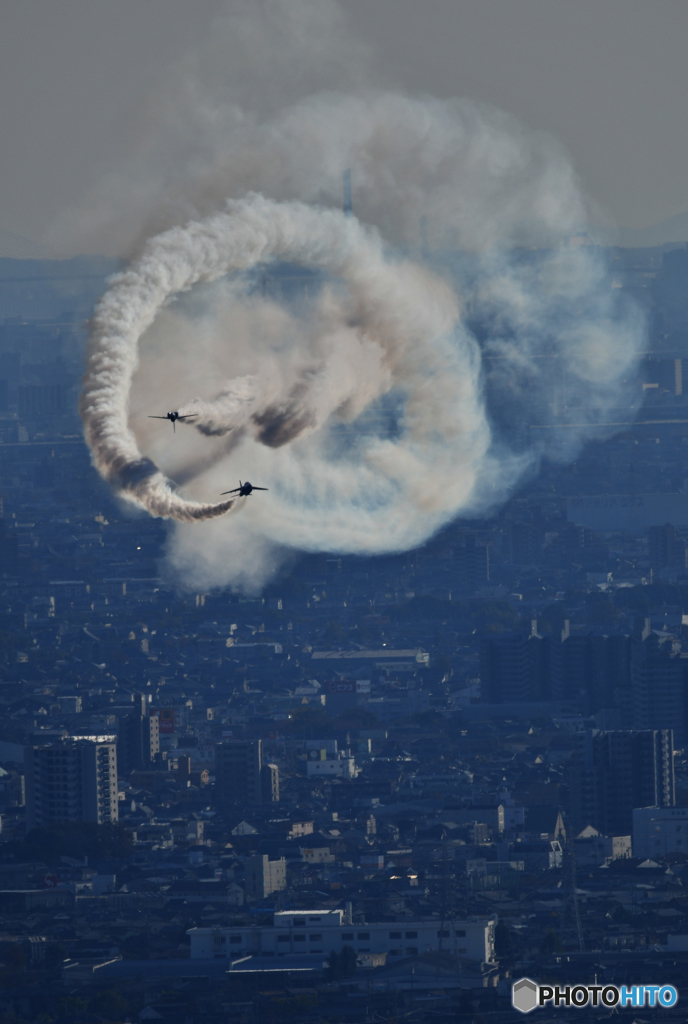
(524, 995)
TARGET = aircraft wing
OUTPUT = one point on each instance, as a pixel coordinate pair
(230, 492)
(189, 416)
(158, 417)
(261, 488)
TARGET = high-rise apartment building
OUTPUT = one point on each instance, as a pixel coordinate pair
(640, 675)
(138, 739)
(658, 686)
(505, 668)
(668, 549)
(75, 780)
(241, 778)
(472, 564)
(517, 667)
(525, 540)
(614, 772)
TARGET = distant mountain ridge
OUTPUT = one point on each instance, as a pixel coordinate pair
(18, 247)
(673, 230)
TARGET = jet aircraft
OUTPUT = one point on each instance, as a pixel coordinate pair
(243, 490)
(173, 417)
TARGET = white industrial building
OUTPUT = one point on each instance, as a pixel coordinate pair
(325, 931)
(659, 830)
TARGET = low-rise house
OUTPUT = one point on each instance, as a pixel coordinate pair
(206, 891)
(592, 848)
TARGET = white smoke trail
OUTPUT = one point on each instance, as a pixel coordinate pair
(339, 373)
(404, 320)
(388, 411)
(229, 410)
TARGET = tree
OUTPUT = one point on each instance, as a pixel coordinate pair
(341, 965)
(347, 960)
(332, 968)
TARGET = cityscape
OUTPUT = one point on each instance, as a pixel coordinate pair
(385, 781)
(397, 731)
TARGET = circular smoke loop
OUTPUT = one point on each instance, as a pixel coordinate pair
(410, 389)
(400, 322)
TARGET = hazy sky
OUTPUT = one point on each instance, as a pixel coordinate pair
(607, 77)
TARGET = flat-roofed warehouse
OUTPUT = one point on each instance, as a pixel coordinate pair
(386, 660)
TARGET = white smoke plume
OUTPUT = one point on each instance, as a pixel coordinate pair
(228, 411)
(455, 310)
(398, 333)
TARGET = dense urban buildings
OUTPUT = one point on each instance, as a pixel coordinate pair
(382, 785)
